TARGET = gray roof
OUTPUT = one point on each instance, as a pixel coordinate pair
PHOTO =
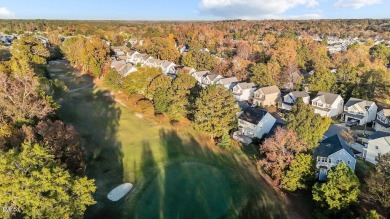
(359, 104)
(117, 64)
(253, 115)
(212, 77)
(376, 135)
(270, 89)
(327, 98)
(200, 73)
(122, 71)
(166, 64)
(331, 145)
(131, 52)
(300, 94)
(145, 56)
(226, 81)
(245, 85)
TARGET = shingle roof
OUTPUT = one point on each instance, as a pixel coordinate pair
(300, 93)
(166, 64)
(226, 81)
(253, 115)
(327, 98)
(245, 85)
(212, 77)
(270, 89)
(131, 52)
(200, 73)
(331, 145)
(386, 112)
(359, 104)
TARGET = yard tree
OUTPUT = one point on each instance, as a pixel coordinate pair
(299, 171)
(162, 48)
(161, 101)
(309, 126)
(340, 189)
(322, 80)
(38, 187)
(215, 111)
(261, 75)
(180, 94)
(377, 183)
(28, 53)
(21, 101)
(113, 80)
(161, 82)
(200, 60)
(225, 142)
(138, 81)
(280, 151)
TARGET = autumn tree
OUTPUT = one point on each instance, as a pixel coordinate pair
(377, 187)
(161, 48)
(309, 126)
(86, 54)
(243, 50)
(113, 80)
(381, 52)
(215, 111)
(298, 173)
(339, 191)
(180, 94)
(280, 151)
(322, 80)
(161, 82)
(199, 60)
(28, 53)
(138, 81)
(38, 187)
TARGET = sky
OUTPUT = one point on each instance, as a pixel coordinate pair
(192, 9)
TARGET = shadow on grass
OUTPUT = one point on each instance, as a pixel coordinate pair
(95, 116)
(196, 182)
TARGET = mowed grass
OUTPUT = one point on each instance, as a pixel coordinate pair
(175, 171)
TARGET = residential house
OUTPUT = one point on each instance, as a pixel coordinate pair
(199, 75)
(378, 144)
(330, 152)
(243, 91)
(363, 111)
(143, 59)
(328, 104)
(210, 79)
(130, 56)
(115, 64)
(290, 98)
(382, 121)
(126, 69)
(168, 67)
(255, 122)
(228, 83)
(267, 96)
(154, 63)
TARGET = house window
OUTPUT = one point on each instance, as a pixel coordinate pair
(330, 161)
(339, 161)
(323, 159)
(319, 104)
(349, 162)
(318, 158)
(376, 147)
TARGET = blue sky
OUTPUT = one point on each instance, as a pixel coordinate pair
(193, 9)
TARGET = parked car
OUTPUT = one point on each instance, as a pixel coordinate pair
(352, 122)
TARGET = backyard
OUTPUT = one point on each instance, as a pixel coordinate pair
(175, 173)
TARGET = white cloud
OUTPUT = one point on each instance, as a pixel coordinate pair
(247, 9)
(355, 3)
(6, 14)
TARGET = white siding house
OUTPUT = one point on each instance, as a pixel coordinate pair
(382, 121)
(255, 122)
(362, 110)
(243, 91)
(210, 79)
(290, 98)
(199, 75)
(328, 104)
(378, 144)
(331, 152)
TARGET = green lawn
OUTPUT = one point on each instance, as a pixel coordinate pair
(174, 174)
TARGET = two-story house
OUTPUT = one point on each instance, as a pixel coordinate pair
(290, 98)
(328, 104)
(255, 122)
(363, 111)
(130, 56)
(243, 91)
(199, 75)
(210, 79)
(168, 67)
(382, 121)
(267, 96)
(228, 83)
(331, 152)
(378, 144)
